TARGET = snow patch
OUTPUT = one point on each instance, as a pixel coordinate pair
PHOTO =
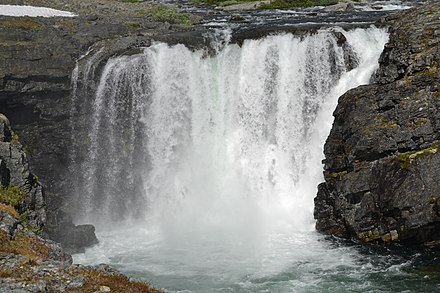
(33, 11)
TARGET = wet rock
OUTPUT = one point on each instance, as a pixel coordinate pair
(74, 238)
(78, 238)
(9, 224)
(383, 153)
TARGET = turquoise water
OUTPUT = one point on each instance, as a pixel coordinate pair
(226, 151)
(305, 262)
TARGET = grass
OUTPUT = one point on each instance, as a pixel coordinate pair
(165, 13)
(25, 222)
(33, 249)
(29, 246)
(11, 195)
(21, 22)
(94, 279)
(9, 210)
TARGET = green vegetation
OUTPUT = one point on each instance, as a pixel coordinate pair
(11, 195)
(94, 279)
(10, 198)
(21, 22)
(421, 121)
(165, 13)
(23, 245)
(34, 250)
(133, 24)
(14, 138)
(389, 124)
(9, 210)
(25, 222)
(337, 174)
(409, 157)
(142, 12)
(277, 4)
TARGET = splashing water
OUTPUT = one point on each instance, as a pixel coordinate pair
(213, 162)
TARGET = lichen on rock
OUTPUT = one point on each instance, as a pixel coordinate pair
(382, 160)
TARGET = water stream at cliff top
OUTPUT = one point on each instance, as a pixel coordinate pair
(201, 168)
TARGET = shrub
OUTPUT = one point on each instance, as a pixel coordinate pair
(11, 195)
(165, 13)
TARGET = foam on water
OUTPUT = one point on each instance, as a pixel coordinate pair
(213, 161)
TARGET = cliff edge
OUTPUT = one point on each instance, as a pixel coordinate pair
(382, 157)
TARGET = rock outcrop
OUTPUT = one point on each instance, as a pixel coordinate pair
(17, 180)
(382, 157)
(22, 190)
(29, 262)
(37, 56)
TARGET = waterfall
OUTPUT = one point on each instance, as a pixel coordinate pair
(187, 141)
(199, 168)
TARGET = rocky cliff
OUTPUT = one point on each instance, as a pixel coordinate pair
(37, 56)
(28, 262)
(382, 157)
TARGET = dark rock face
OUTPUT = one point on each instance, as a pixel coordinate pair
(75, 238)
(14, 171)
(382, 161)
(37, 56)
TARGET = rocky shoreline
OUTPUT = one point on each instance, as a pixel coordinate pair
(29, 262)
(38, 56)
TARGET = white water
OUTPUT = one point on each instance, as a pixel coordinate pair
(227, 151)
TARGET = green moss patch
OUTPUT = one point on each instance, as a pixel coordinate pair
(133, 24)
(165, 13)
(409, 157)
(11, 195)
(337, 174)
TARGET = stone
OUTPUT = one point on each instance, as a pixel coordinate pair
(9, 224)
(5, 128)
(382, 157)
(74, 238)
(5, 177)
(104, 289)
(41, 286)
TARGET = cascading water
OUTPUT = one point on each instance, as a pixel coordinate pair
(237, 132)
(213, 162)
